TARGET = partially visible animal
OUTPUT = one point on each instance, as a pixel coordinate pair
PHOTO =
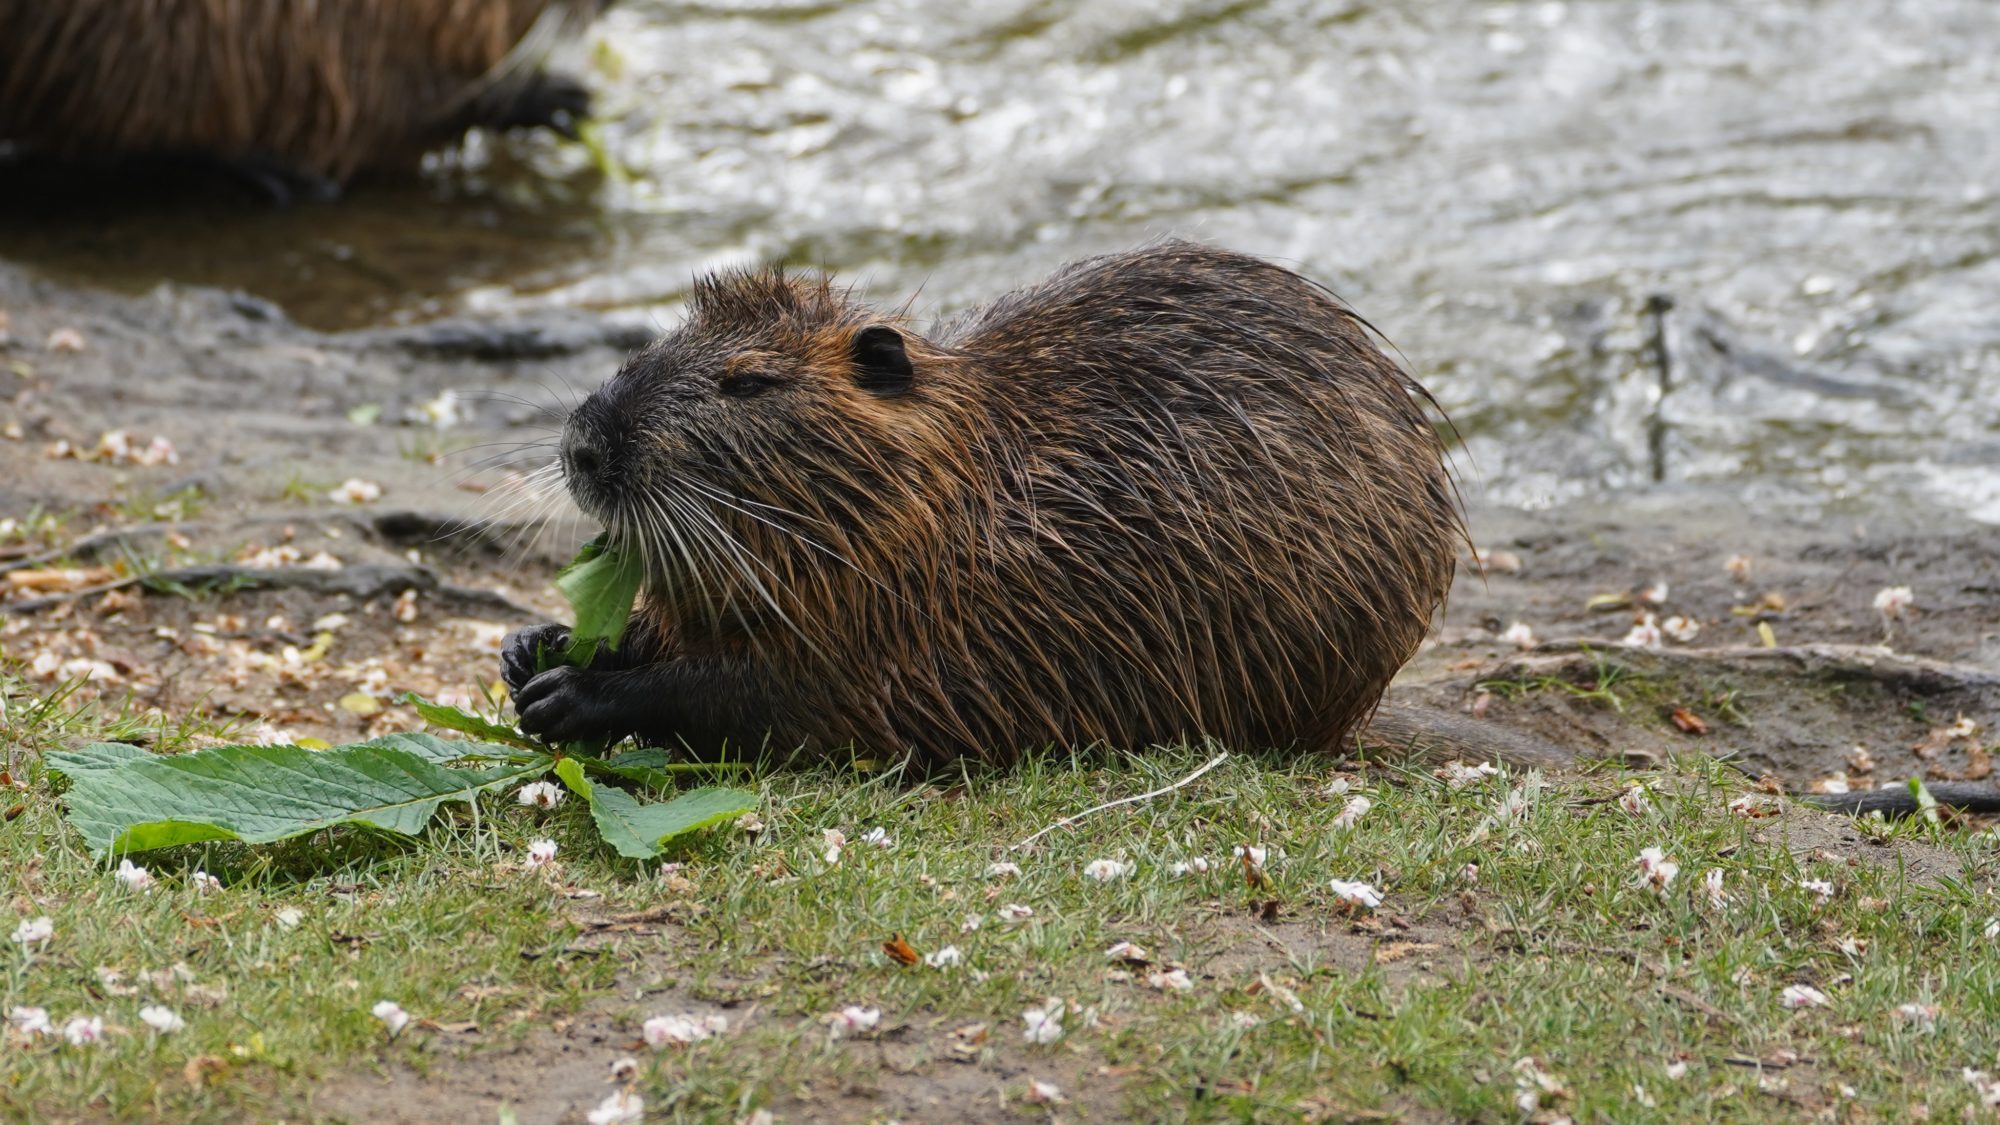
(298, 95)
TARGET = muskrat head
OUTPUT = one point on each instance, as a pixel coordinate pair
(765, 436)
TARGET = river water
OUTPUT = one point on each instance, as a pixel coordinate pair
(1499, 187)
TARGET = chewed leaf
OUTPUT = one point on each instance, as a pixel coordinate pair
(638, 831)
(465, 722)
(261, 794)
(601, 586)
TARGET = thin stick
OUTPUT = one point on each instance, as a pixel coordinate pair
(1069, 820)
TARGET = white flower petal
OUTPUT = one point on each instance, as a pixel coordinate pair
(1802, 996)
(1356, 808)
(540, 795)
(1356, 893)
(1893, 601)
(621, 1107)
(392, 1015)
(162, 1020)
(1043, 1025)
(30, 1021)
(852, 1020)
(682, 1029)
(84, 1031)
(134, 877)
(1106, 870)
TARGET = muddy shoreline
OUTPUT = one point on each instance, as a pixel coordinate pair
(267, 419)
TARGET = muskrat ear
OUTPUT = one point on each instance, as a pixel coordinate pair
(880, 363)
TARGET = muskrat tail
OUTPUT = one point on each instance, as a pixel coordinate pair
(1965, 796)
(1429, 736)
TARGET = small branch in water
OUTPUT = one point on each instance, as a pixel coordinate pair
(1656, 310)
(1069, 820)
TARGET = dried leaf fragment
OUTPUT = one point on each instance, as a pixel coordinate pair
(901, 951)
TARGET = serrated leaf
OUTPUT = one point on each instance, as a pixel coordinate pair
(465, 722)
(601, 585)
(75, 763)
(638, 831)
(431, 748)
(262, 794)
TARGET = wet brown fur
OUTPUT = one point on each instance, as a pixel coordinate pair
(327, 88)
(1172, 493)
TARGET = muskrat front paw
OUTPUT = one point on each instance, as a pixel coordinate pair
(569, 705)
(521, 653)
(548, 100)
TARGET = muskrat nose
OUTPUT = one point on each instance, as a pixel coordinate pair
(587, 463)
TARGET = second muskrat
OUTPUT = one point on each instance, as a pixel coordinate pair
(297, 96)
(1163, 495)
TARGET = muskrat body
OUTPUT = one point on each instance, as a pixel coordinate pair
(1163, 495)
(294, 93)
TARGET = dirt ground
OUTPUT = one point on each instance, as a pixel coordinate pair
(321, 629)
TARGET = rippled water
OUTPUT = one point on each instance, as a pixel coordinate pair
(1499, 187)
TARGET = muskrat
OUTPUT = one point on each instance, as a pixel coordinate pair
(1163, 495)
(296, 95)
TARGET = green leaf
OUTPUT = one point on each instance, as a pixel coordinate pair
(261, 794)
(96, 757)
(1926, 804)
(465, 722)
(638, 831)
(601, 585)
(431, 748)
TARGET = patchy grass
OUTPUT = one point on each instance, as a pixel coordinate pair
(524, 987)
(301, 489)
(1627, 691)
(39, 527)
(181, 504)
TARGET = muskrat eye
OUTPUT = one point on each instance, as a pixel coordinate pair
(745, 386)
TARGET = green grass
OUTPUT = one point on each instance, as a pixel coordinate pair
(1420, 1009)
(301, 489)
(39, 526)
(180, 504)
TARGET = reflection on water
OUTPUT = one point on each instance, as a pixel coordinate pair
(1498, 186)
